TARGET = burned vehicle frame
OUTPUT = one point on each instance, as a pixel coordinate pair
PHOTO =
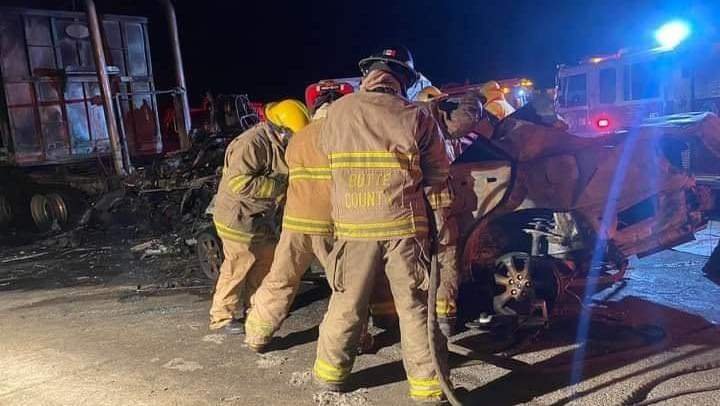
(545, 214)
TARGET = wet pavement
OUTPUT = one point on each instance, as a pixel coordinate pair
(75, 329)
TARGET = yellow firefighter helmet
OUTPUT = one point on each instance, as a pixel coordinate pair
(289, 113)
(430, 93)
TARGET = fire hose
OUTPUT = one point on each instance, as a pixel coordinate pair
(434, 333)
(639, 395)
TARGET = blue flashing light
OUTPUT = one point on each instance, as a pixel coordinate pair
(672, 34)
(521, 92)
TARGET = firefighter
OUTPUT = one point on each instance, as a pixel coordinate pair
(247, 205)
(382, 151)
(306, 229)
(456, 120)
(495, 102)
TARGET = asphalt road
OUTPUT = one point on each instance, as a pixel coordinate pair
(76, 334)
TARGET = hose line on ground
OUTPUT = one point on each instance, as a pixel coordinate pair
(639, 396)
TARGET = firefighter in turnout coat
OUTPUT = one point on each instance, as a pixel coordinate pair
(307, 231)
(382, 151)
(456, 119)
(247, 206)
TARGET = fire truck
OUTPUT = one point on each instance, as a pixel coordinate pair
(618, 92)
(610, 93)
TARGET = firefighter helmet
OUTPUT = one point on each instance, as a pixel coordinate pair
(430, 93)
(397, 60)
(289, 113)
(325, 91)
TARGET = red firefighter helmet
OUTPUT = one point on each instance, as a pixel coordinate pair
(325, 91)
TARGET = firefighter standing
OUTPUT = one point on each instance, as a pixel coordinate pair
(307, 230)
(456, 120)
(247, 204)
(382, 151)
(495, 102)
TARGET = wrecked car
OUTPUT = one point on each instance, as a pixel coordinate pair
(546, 214)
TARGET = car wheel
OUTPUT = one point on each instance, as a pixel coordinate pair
(209, 253)
(521, 282)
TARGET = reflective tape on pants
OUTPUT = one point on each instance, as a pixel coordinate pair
(425, 388)
(328, 373)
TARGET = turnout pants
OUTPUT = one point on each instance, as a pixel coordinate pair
(447, 256)
(241, 273)
(353, 267)
(271, 303)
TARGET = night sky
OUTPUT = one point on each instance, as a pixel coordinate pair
(273, 49)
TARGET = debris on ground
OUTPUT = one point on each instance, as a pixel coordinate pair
(182, 365)
(301, 378)
(150, 222)
(270, 360)
(355, 398)
(214, 338)
(22, 257)
(144, 246)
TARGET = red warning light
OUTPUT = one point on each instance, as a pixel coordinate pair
(603, 123)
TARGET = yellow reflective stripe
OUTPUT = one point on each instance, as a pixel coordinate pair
(372, 159)
(381, 234)
(258, 327)
(424, 387)
(232, 234)
(307, 225)
(399, 222)
(329, 373)
(377, 165)
(440, 199)
(266, 188)
(368, 154)
(238, 182)
(444, 307)
(309, 176)
(395, 228)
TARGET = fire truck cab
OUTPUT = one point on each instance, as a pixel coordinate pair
(610, 93)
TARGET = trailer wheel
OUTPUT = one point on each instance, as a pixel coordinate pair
(6, 211)
(49, 209)
(209, 252)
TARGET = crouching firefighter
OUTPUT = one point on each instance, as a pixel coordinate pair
(456, 119)
(307, 230)
(382, 151)
(247, 207)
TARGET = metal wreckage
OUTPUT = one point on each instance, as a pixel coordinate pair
(544, 214)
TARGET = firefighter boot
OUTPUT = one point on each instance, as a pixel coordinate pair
(234, 327)
(447, 326)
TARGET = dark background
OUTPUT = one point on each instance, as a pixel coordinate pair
(273, 49)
